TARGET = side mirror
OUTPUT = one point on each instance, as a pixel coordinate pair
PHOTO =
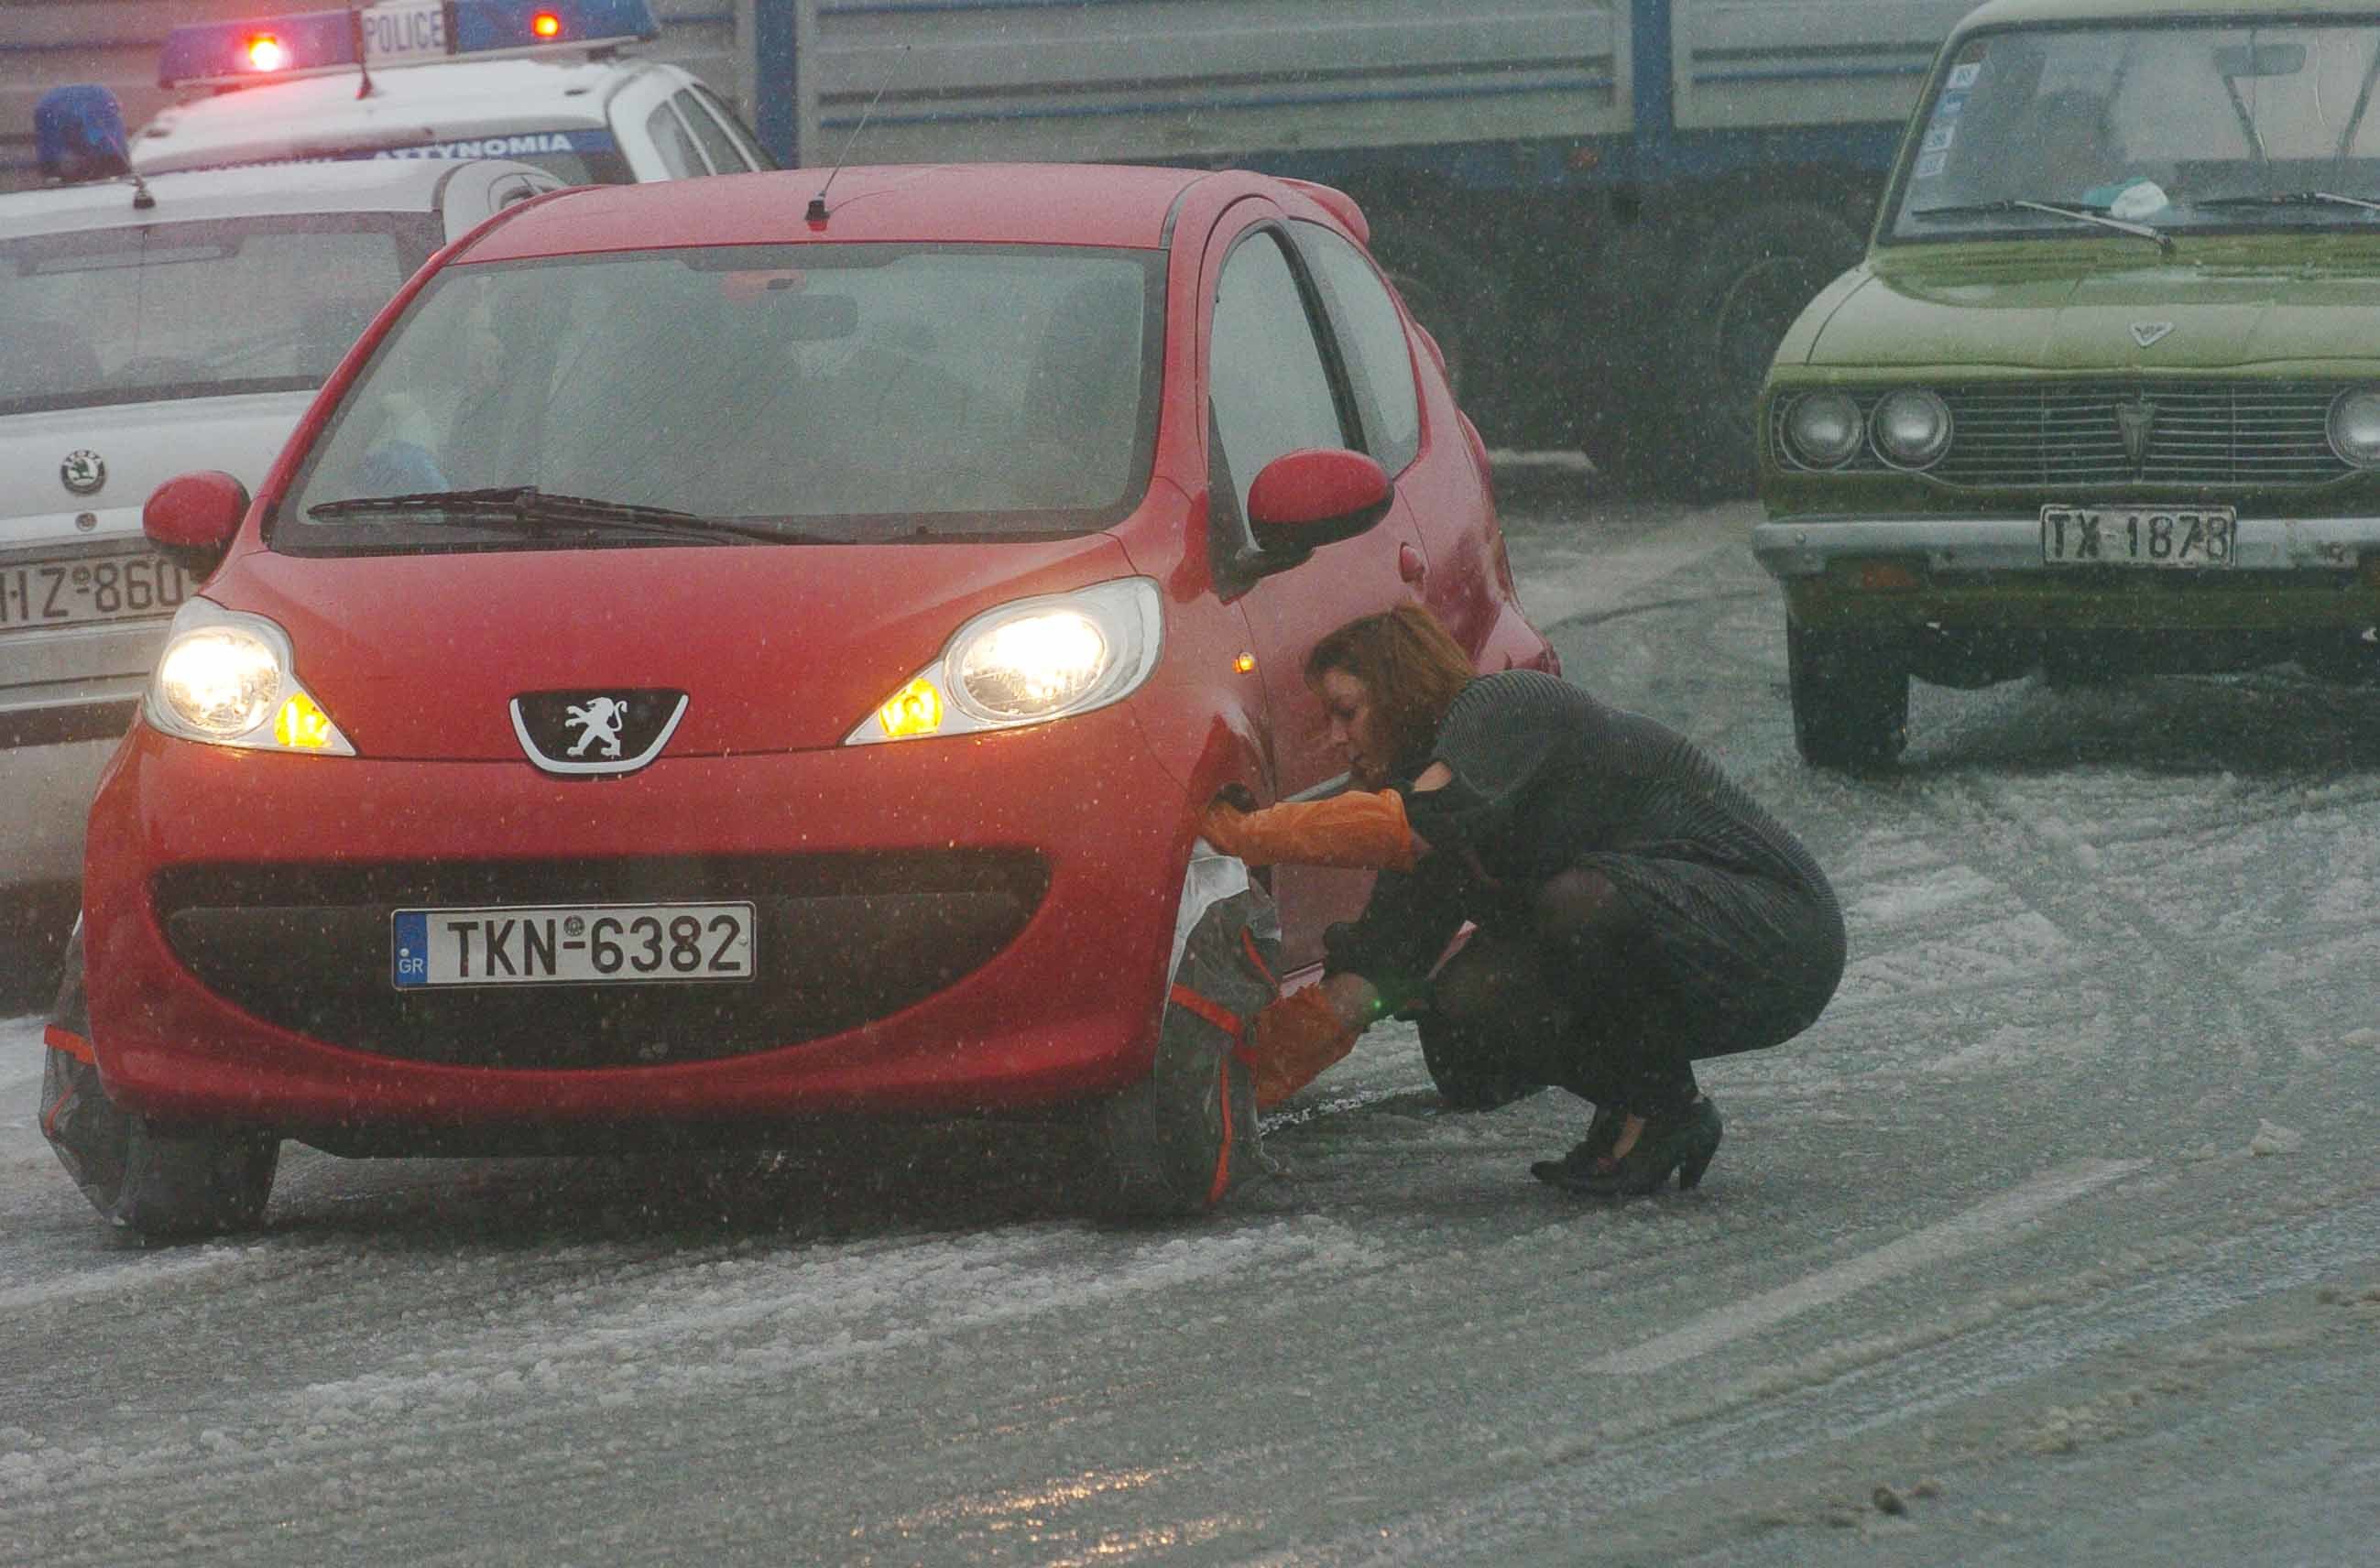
(1316, 496)
(192, 518)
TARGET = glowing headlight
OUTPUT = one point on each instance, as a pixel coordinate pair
(1027, 663)
(1912, 427)
(228, 679)
(2355, 426)
(1823, 428)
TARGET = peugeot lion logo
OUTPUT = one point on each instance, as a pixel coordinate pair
(580, 732)
(2147, 333)
(83, 472)
(599, 720)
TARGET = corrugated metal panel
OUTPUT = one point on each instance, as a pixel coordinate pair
(115, 43)
(1172, 79)
(1743, 65)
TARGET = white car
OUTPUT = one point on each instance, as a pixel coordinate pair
(153, 326)
(440, 80)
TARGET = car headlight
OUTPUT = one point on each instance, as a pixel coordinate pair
(229, 679)
(1027, 663)
(1825, 429)
(2355, 426)
(1912, 427)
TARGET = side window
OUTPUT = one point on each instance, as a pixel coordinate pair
(1270, 391)
(1379, 362)
(745, 142)
(675, 147)
(724, 158)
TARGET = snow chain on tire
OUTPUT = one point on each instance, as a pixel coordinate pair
(1176, 1144)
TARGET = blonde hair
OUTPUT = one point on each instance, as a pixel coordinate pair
(1410, 666)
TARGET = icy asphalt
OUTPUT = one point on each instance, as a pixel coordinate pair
(2057, 1239)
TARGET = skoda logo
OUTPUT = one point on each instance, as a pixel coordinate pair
(2147, 333)
(83, 472)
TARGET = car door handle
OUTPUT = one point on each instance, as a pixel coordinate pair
(1411, 566)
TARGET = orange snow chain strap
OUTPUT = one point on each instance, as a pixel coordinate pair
(1356, 831)
(1293, 1040)
(73, 1045)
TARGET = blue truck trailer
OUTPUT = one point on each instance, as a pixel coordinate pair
(1606, 211)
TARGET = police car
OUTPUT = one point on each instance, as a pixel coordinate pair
(152, 324)
(542, 82)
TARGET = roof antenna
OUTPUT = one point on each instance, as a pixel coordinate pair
(817, 212)
(141, 200)
(363, 61)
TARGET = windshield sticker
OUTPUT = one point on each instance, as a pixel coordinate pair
(1931, 165)
(1963, 77)
(1949, 106)
(1938, 140)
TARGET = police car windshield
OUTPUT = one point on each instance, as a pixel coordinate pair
(846, 392)
(194, 309)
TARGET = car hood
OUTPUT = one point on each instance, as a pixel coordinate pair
(1987, 308)
(141, 445)
(779, 648)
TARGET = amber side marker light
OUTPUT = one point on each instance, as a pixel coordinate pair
(1245, 663)
(545, 24)
(915, 709)
(265, 53)
(301, 725)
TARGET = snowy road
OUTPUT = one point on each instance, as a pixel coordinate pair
(2062, 1227)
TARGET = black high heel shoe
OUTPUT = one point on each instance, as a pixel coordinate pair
(1684, 1146)
(1602, 1133)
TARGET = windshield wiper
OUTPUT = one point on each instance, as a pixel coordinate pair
(527, 507)
(2018, 204)
(2287, 198)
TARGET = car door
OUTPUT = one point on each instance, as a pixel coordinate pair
(1276, 382)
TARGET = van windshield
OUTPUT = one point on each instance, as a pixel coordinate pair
(2175, 126)
(195, 309)
(849, 392)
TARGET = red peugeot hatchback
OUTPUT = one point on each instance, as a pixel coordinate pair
(747, 650)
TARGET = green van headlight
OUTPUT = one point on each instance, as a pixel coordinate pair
(2355, 426)
(1912, 427)
(1823, 428)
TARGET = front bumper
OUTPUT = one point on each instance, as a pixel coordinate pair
(2287, 575)
(940, 933)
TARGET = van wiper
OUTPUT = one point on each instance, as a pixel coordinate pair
(2287, 198)
(2018, 204)
(534, 511)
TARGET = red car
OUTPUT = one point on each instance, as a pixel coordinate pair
(754, 648)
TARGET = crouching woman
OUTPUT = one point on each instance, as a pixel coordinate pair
(1636, 912)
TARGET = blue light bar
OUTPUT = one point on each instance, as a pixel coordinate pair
(393, 33)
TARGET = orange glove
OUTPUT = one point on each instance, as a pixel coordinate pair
(1358, 831)
(1293, 1040)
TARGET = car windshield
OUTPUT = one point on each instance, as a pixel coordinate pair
(2171, 128)
(194, 309)
(857, 392)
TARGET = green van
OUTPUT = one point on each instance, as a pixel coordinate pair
(2105, 395)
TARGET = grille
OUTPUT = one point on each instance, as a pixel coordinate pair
(841, 940)
(2065, 435)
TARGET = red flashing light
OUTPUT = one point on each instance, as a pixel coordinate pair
(265, 53)
(545, 24)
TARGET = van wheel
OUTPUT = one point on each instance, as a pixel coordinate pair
(159, 1184)
(1851, 697)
